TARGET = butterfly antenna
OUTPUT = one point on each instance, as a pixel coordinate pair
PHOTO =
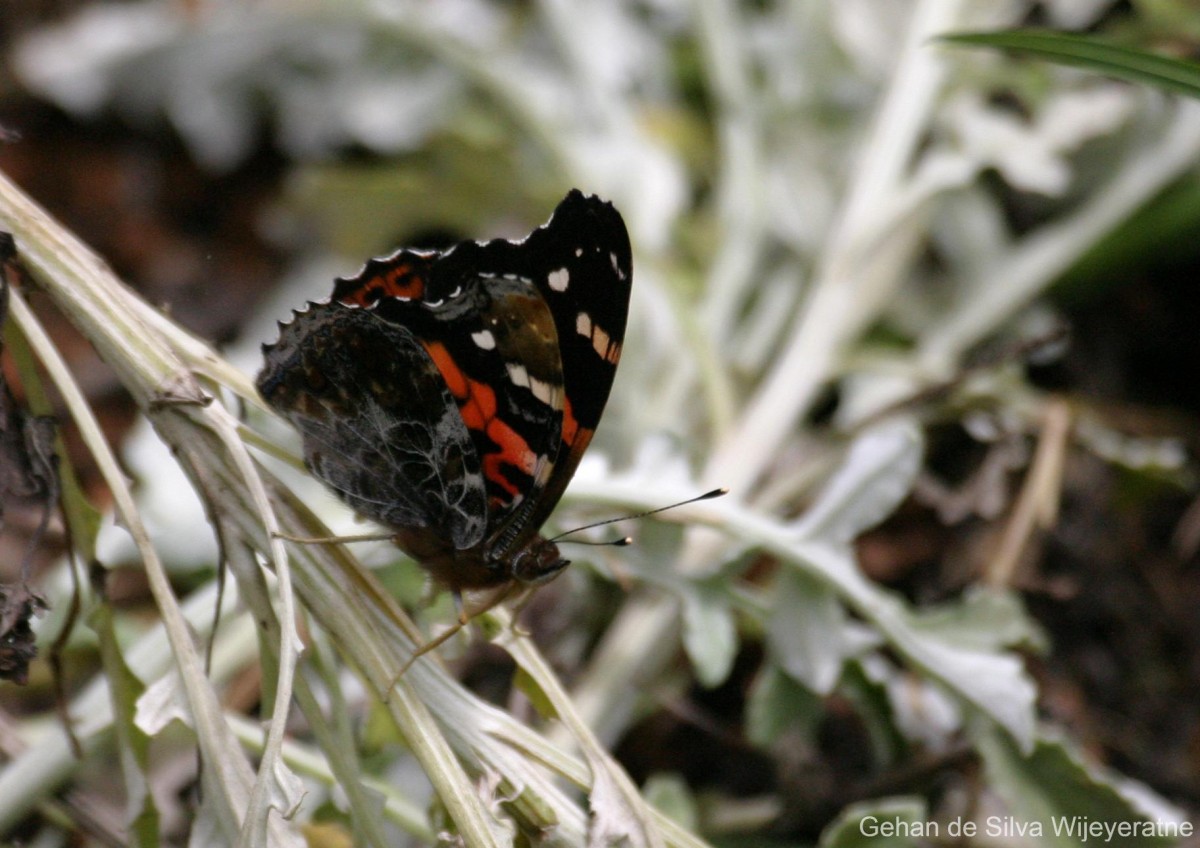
(464, 617)
(715, 493)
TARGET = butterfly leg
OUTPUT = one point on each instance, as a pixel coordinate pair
(464, 618)
(519, 605)
(460, 607)
(333, 540)
(429, 646)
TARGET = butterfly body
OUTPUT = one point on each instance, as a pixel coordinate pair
(450, 396)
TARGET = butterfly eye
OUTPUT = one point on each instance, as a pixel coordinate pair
(539, 563)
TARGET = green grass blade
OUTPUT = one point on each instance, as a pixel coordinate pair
(1125, 63)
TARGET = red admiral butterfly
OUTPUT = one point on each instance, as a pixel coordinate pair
(449, 396)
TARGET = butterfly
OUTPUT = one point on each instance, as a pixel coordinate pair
(450, 395)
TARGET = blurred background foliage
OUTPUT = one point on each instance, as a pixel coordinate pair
(926, 309)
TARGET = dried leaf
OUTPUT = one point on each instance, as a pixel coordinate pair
(28, 465)
(28, 470)
(18, 605)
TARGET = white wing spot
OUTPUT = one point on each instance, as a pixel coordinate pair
(542, 390)
(484, 339)
(559, 280)
(578, 252)
(517, 374)
(603, 344)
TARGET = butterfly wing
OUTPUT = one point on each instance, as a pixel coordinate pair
(494, 342)
(580, 264)
(456, 392)
(527, 334)
(379, 426)
(586, 279)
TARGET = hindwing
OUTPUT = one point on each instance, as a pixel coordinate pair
(387, 439)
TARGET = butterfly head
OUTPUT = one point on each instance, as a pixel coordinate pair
(537, 563)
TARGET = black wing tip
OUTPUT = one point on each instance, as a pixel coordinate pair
(598, 214)
(576, 199)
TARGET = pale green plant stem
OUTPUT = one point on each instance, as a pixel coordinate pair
(740, 188)
(342, 756)
(500, 745)
(343, 599)
(845, 294)
(619, 790)
(740, 210)
(95, 302)
(373, 633)
(560, 17)
(489, 73)
(47, 761)
(740, 183)
(305, 759)
(283, 633)
(231, 779)
(817, 547)
(855, 277)
(1041, 257)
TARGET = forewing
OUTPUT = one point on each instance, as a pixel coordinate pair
(583, 267)
(526, 337)
(494, 342)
